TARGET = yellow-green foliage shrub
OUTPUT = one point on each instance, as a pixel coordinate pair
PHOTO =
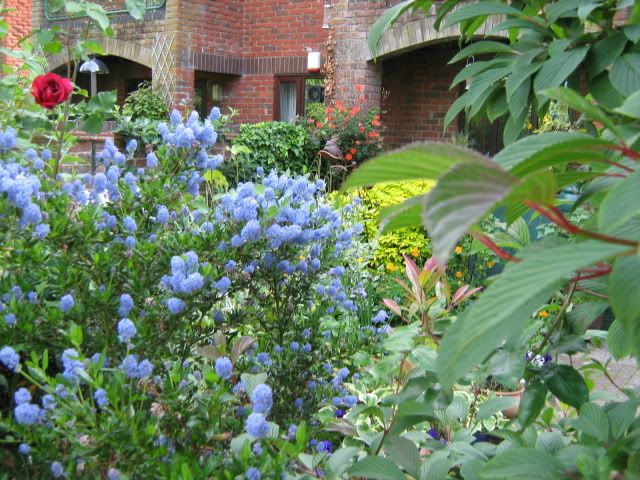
(391, 246)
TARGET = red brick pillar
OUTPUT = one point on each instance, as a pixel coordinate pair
(19, 20)
(351, 20)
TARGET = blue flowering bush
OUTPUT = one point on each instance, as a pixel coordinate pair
(144, 312)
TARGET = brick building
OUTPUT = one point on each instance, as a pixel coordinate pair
(252, 55)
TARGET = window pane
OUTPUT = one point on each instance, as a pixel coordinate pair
(287, 101)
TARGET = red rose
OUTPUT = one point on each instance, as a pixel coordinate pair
(50, 89)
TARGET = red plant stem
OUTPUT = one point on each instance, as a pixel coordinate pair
(619, 165)
(591, 292)
(628, 152)
(555, 215)
(621, 175)
(487, 242)
(594, 275)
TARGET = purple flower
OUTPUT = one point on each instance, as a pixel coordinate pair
(66, 303)
(224, 367)
(257, 425)
(262, 399)
(126, 330)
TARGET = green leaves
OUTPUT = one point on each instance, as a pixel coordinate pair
(384, 22)
(631, 106)
(376, 468)
(419, 160)
(462, 196)
(558, 68)
(593, 422)
(621, 204)
(568, 385)
(624, 295)
(531, 403)
(524, 463)
(502, 310)
(480, 9)
(625, 73)
(405, 453)
(493, 405)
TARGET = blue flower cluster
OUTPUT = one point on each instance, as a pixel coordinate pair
(22, 190)
(261, 401)
(25, 412)
(184, 278)
(134, 369)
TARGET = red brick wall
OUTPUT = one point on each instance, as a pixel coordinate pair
(19, 21)
(275, 28)
(417, 97)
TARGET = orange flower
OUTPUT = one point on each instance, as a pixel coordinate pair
(458, 274)
(342, 109)
(348, 156)
(362, 129)
(375, 123)
(391, 267)
(353, 151)
(332, 125)
(458, 249)
(354, 111)
(359, 87)
(328, 110)
(374, 134)
(318, 124)
(415, 252)
(543, 314)
(490, 263)
(357, 142)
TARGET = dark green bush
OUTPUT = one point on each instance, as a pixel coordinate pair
(145, 103)
(279, 145)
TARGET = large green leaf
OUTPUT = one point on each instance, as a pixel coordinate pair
(480, 48)
(558, 68)
(405, 453)
(378, 468)
(584, 314)
(493, 405)
(620, 344)
(524, 463)
(621, 416)
(576, 101)
(503, 309)
(540, 187)
(631, 106)
(384, 22)
(548, 149)
(624, 295)
(437, 466)
(462, 196)
(568, 385)
(475, 68)
(593, 422)
(531, 403)
(406, 214)
(479, 9)
(418, 160)
(625, 73)
(604, 53)
(621, 204)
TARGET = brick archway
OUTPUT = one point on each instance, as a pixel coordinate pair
(419, 31)
(117, 48)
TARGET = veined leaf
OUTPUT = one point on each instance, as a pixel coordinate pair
(503, 309)
(576, 101)
(462, 196)
(620, 345)
(406, 214)
(604, 53)
(558, 68)
(493, 405)
(593, 421)
(473, 10)
(521, 463)
(475, 68)
(625, 73)
(621, 203)
(455, 108)
(418, 160)
(568, 385)
(539, 151)
(405, 453)
(631, 106)
(377, 468)
(624, 295)
(531, 403)
(384, 22)
(482, 47)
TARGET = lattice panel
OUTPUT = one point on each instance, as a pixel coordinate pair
(112, 7)
(163, 63)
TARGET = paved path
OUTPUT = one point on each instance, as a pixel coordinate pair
(624, 372)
